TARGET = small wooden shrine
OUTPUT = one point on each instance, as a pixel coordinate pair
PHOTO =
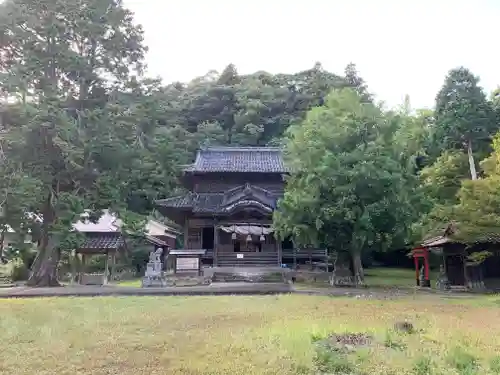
(104, 238)
(463, 264)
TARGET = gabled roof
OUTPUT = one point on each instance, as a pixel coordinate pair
(196, 202)
(453, 233)
(98, 243)
(110, 223)
(219, 202)
(239, 159)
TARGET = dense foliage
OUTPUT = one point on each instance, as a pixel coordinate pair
(83, 129)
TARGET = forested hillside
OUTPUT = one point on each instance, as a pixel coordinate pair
(82, 128)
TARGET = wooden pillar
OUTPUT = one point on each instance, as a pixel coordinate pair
(426, 269)
(417, 276)
(82, 270)
(186, 233)
(216, 245)
(464, 262)
(113, 264)
(426, 264)
(73, 266)
(326, 260)
(106, 268)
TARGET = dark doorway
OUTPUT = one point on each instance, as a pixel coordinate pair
(455, 269)
(237, 246)
(207, 238)
(287, 244)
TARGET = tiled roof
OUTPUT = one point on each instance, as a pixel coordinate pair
(456, 233)
(239, 159)
(110, 223)
(201, 202)
(102, 242)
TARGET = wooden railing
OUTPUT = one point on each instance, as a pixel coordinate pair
(266, 258)
(314, 254)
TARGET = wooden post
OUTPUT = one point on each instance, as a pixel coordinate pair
(200, 271)
(326, 260)
(113, 264)
(216, 246)
(415, 258)
(427, 280)
(278, 247)
(106, 268)
(73, 266)
(186, 233)
(464, 262)
(84, 262)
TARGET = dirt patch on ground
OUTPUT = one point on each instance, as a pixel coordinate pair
(347, 342)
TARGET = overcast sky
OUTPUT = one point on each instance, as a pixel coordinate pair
(400, 46)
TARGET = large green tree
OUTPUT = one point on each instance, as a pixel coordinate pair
(348, 190)
(59, 54)
(464, 119)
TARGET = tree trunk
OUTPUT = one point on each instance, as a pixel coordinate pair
(359, 275)
(2, 239)
(472, 165)
(44, 269)
(334, 269)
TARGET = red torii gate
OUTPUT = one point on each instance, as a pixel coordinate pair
(422, 253)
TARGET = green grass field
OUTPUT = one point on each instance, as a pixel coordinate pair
(393, 277)
(374, 277)
(245, 335)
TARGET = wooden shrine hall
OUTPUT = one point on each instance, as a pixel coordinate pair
(227, 211)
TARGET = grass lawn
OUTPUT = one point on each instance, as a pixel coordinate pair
(244, 335)
(374, 277)
(394, 277)
(137, 283)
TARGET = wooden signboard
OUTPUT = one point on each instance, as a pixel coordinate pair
(187, 264)
(187, 261)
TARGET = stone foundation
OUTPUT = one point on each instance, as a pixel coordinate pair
(187, 280)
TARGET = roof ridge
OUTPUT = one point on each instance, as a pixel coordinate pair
(240, 148)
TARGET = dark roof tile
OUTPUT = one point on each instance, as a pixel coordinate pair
(97, 242)
(239, 159)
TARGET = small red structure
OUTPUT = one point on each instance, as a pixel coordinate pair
(422, 253)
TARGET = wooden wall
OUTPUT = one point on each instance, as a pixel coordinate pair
(219, 183)
(193, 239)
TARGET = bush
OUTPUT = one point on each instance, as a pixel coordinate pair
(19, 271)
(464, 362)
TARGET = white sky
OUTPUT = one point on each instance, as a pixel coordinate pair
(399, 46)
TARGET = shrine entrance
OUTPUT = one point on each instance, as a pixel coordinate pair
(421, 258)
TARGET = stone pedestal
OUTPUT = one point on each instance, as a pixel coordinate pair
(154, 276)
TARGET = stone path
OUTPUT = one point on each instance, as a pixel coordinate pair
(233, 288)
(114, 290)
